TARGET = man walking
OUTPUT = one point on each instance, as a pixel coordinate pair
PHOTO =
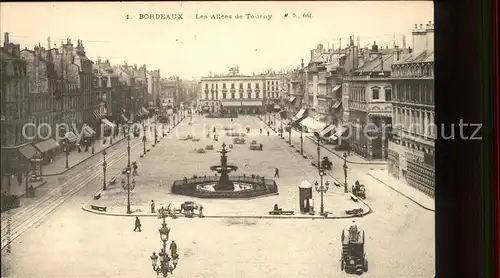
(137, 224)
(268, 133)
(173, 248)
(276, 173)
(152, 206)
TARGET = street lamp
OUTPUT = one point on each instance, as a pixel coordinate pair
(318, 149)
(165, 267)
(93, 142)
(320, 188)
(65, 143)
(289, 133)
(345, 173)
(104, 164)
(128, 142)
(163, 129)
(128, 187)
(144, 140)
(281, 128)
(156, 132)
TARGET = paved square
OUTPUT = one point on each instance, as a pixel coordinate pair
(400, 234)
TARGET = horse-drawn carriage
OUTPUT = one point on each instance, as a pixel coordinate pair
(326, 164)
(189, 207)
(238, 140)
(353, 256)
(359, 190)
(255, 146)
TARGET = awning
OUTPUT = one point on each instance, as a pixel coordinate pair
(232, 103)
(326, 130)
(28, 151)
(299, 115)
(291, 99)
(88, 131)
(144, 111)
(334, 89)
(336, 104)
(47, 145)
(139, 114)
(108, 123)
(72, 138)
(97, 114)
(311, 124)
(277, 107)
(339, 131)
(380, 114)
(124, 118)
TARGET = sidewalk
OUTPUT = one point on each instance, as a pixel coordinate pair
(403, 188)
(353, 158)
(58, 166)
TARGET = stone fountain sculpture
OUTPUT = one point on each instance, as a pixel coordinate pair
(224, 184)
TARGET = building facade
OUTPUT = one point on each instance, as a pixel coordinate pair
(411, 151)
(370, 104)
(233, 93)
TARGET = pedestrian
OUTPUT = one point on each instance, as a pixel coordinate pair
(349, 150)
(137, 224)
(173, 248)
(135, 169)
(153, 206)
(214, 129)
(261, 146)
(200, 209)
(276, 173)
(261, 130)
(268, 133)
(79, 148)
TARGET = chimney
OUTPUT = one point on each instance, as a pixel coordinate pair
(302, 63)
(374, 47)
(419, 39)
(6, 38)
(396, 53)
(430, 36)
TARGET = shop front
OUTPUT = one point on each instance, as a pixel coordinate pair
(48, 149)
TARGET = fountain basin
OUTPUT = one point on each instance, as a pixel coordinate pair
(250, 187)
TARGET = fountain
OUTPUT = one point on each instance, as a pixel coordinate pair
(225, 186)
(223, 169)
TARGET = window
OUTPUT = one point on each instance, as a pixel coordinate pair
(224, 95)
(257, 95)
(206, 94)
(388, 94)
(249, 95)
(224, 86)
(256, 85)
(232, 95)
(212, 95)
(249, 86)
(241, 85)
(216, 95)
(375, 93)
(232, 86)
(212, 86)
(216, 86)
(241, 95)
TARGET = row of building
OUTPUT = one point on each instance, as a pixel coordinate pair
(58, 92)
(348, 88)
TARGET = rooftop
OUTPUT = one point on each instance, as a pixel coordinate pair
(376, 64)
(422, 57)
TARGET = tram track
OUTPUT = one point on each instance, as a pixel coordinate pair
(35, 212)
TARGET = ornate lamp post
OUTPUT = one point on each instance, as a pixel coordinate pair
(128, 142)
(345, 172)
(104, 165)
(128, 187)
(156, 132)
(289, 133)
(318, 149)
(65, 143)
(320, 188)
(281, 128)
(165, 267)
(144, 141)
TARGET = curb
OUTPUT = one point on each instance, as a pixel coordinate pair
(347, 160)
(411, 199)
(95, 153)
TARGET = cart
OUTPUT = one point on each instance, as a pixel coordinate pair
(353, 256)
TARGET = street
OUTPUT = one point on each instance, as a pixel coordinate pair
(71, 242)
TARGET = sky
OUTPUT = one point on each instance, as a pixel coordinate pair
(192, 48)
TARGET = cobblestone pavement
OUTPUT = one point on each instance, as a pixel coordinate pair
(400, 234)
